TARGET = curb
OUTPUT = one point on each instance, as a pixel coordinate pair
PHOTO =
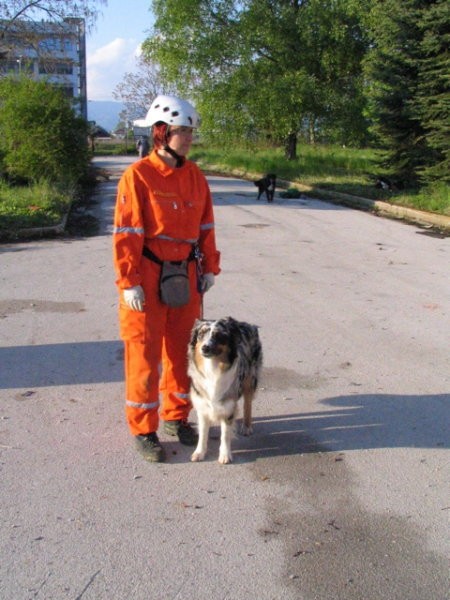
(36, 232)
(378, 207)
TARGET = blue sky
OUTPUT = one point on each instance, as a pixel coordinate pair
(113, 45)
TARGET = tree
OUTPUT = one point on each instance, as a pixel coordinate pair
(19, 21)
(271, 68)
(41, 137)
(433, 92)
(14, 11)
(408, 70)
(137, 90)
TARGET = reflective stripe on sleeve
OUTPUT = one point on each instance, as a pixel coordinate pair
(206, 226)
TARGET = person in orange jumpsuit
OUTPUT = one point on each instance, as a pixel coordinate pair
(163, 212)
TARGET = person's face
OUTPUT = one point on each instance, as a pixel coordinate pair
(180, 139)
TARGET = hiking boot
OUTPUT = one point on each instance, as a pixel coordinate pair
(185, 432)
(150, 447)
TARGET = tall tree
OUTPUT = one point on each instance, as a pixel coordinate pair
(271, 67)
(433, 93)
(408, 68)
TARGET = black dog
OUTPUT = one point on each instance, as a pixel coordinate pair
(267, 184)
(382, 183)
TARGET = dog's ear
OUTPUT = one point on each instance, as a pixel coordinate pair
(196, 329)
(234, 339)
(234, 329)
(194, 332)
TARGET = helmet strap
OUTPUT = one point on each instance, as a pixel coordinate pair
(176, 156)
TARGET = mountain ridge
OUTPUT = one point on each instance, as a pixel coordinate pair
(105, 113)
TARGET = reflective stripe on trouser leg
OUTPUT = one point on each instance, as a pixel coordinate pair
(142, 403)
(175, 383)
(142, 333)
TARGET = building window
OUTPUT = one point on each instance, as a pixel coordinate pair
(51, 68)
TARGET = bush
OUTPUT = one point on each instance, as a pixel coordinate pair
(41, 137)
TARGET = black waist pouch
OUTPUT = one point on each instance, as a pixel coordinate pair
(174, 283)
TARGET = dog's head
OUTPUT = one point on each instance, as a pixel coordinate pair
(216, 339)
(269, 180)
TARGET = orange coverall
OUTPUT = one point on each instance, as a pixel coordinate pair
(168, 210)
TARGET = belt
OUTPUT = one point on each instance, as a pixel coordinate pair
(152, 256)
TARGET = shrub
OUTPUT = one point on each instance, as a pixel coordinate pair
(41, 137)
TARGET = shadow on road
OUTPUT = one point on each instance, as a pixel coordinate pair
(61, 364)
(356, 423)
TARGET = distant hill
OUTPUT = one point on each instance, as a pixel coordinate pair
(105, 113)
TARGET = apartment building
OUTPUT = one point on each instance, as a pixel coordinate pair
(50, 50)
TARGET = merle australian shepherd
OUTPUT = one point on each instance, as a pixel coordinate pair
(224, 362)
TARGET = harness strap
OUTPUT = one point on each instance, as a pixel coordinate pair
(150, 255)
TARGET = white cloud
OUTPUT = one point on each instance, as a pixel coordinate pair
(107, 65)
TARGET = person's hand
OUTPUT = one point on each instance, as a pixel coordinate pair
(207, 281)
(134, 298)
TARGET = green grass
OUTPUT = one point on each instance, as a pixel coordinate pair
(24, 207)
(331, 168)
(114, 147)
(435, 198)
(312, 161)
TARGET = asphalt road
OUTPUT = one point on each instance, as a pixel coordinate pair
(343, 491)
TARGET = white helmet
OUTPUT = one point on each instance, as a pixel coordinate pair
(170, 110)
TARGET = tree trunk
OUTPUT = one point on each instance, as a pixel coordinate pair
(312, 130)
(291, 146)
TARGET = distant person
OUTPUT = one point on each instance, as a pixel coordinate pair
(143, 146)
(163, 225)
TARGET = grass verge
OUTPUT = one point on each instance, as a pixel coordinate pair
(31, 206)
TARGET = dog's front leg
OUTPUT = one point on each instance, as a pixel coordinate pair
(203, 432)
(226, 433)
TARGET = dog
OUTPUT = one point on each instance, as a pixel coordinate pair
(267, 184)
(383, 183)
(224, 363)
